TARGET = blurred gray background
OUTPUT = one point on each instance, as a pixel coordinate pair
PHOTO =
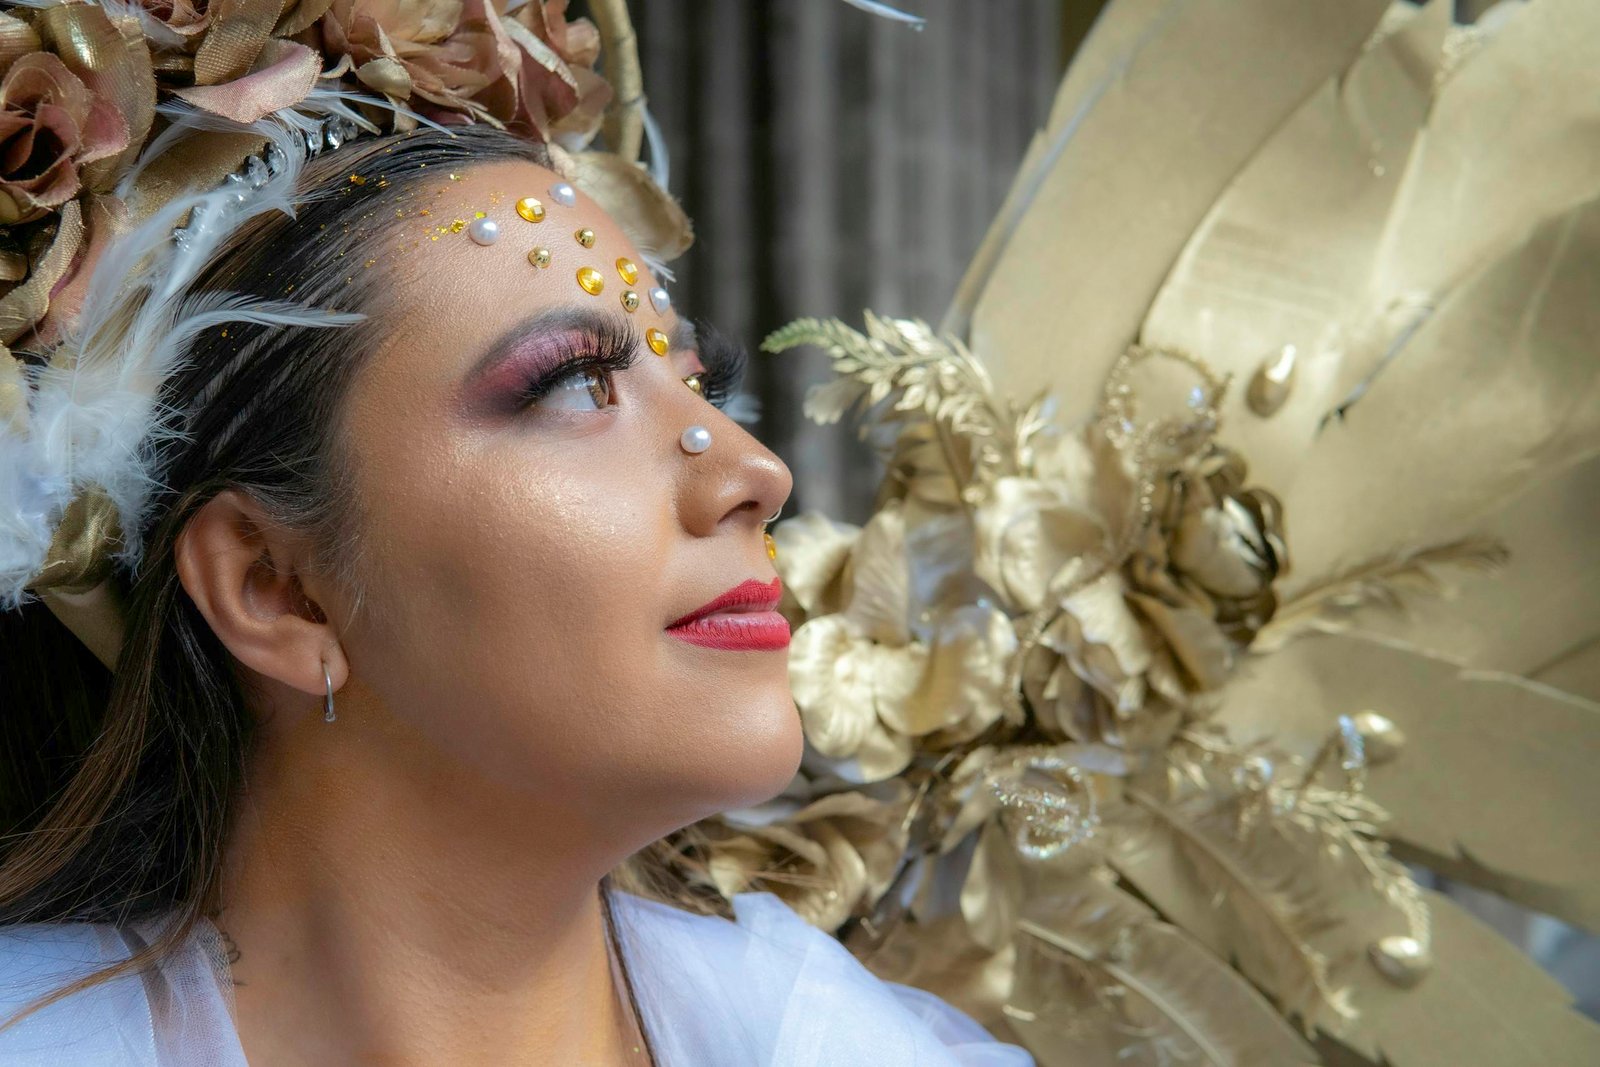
(834, 161)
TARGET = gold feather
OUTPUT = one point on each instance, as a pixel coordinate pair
(1482, 1002)
(1100, 979)
(1268, 904)
(1385, 582)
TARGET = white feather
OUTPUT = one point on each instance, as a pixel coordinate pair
(93, 414)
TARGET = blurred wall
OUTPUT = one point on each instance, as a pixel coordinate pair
(834, 161)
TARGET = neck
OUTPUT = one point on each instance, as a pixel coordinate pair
(417, 917)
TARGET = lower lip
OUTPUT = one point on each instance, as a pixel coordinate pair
(752, 631)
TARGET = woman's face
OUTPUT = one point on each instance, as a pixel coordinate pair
(525, 556)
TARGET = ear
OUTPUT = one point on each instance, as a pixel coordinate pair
(244, 574)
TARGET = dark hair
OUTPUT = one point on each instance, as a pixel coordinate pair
(116, 788)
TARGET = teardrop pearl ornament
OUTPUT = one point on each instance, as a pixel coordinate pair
(695, 440)
(591, 280)
(1270, 384)
(484, 231)
(564, 194)
(660, 300)
(1402, 960)
(1380, 737)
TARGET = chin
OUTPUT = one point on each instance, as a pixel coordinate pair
(751, 758)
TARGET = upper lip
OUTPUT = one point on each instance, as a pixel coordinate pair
(751, 595)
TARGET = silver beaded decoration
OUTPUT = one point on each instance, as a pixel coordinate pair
(328, 133)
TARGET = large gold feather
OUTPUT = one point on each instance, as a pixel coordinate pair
(1135, 990)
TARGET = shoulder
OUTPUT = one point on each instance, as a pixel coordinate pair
(105, 1024)
(769, 988)
(175, 1014)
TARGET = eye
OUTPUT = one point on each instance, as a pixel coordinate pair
(586, 388)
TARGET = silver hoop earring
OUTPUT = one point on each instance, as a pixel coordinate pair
(695, 440)
(327, 709)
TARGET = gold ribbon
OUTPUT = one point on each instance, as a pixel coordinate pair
(17, 39)
(13, 395)
(24, 306)
(114, 64)
(77, 582)
(239, 30)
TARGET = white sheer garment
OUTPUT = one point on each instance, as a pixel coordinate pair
(767, 990)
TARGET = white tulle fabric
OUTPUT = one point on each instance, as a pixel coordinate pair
(767, 990)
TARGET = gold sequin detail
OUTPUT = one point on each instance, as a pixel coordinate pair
(628, 271)
(630, 300)
(585, 237)
(693, 382)
(656, 340)
(539, 257)
(591, 281)
(772, 546)
(531, 209)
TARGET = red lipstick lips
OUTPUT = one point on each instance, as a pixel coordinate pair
(742, 619)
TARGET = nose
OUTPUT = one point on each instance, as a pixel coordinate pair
(735, 481)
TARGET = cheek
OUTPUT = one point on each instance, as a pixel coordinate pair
(516, 602)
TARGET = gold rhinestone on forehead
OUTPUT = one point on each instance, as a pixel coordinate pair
(531, 209)
(627, 271)
(630, 300)
(539, 257)
(585, 237)
(657, 341)
(592, 282)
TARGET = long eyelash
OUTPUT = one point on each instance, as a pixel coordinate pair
(724, 360)
(611, 346)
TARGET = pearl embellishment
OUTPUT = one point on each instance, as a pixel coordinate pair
(695, 440)
(660, 300)
(484, 231)
(563, 193)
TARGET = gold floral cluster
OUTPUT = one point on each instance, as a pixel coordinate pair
(80, 84)
(1005, 679)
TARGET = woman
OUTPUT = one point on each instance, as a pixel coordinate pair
(450, 593)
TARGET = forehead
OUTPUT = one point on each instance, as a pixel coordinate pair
(553, 249)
